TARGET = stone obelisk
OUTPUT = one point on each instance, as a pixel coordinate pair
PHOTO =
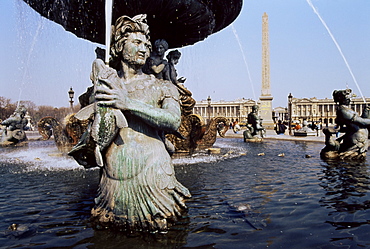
(265, 99)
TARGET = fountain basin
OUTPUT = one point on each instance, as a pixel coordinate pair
(241, 200)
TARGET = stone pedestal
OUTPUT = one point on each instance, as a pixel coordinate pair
(265, 105)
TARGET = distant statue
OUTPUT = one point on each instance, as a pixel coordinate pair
(254, 126)
(156, 64)
(138, 188)
(354, 143)
(15, 126)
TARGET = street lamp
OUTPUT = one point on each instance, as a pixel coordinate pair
(327, 117)
(290, 98)
(71, 94)
(209, 109)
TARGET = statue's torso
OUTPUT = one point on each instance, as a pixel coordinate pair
(139, 141)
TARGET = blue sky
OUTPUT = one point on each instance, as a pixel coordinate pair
(41, 60)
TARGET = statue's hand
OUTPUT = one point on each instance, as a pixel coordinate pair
(110, 93)
(109, 90)
(181, 79)
(159, 68)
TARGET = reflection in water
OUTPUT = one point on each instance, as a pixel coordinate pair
(347, 187)
(239, 200)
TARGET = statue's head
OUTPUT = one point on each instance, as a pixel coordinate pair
(160, 46)
(174, 56)
(21, 110)
(342, 96)
(255, 108)
(134, 31)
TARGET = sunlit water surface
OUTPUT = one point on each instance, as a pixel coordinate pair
(240, 199)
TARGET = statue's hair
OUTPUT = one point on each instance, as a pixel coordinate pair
(340, 95)
(174, 54)
(125, 25)
(162, 42)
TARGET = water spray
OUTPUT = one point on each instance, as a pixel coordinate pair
(338, 47)
(245, 60)
(108, 22)
(39, 27)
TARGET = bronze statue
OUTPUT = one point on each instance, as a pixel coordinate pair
(14, 127)
(156, 64)
(195, 133)
(354, 143)
(254, 127)
(138, 188)
(65, 135)
(217, 125)
(187, 102)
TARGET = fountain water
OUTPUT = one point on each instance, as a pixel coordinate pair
(108, 22)
(338, 47)
(27, 61)
(244, 59)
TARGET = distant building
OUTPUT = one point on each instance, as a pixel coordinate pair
(313, 109)
(232, 110)
(310, 109)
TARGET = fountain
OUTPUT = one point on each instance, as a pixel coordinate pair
(247, 200)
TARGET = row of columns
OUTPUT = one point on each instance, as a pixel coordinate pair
(231, 112)
(226, 111)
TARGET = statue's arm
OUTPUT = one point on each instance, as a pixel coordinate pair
(11, 120)
(361, 121)
(158, 69)
(353, 117)
(167, 117)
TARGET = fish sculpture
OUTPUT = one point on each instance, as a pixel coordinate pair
(107, 120)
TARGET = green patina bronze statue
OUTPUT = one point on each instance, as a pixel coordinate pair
(254, 127)
(354, 143)
(138, 188)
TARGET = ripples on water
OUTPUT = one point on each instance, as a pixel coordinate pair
(240, 200)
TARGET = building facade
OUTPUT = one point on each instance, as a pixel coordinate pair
(309, 109)
(321, 110)
(232, 110)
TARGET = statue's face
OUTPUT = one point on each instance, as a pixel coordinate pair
(347, 99)
(136, 49)
(160, 49)
(175, 61)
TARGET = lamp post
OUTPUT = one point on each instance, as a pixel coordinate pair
(286, 113)
(209, 109)
(290, 98)
(71, 94)
(327, 117)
